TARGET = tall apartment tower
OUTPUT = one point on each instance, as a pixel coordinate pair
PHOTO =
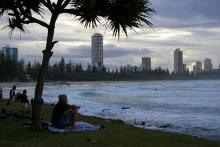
(146, 64)
(198, 67)
(178, 61)
(207, 65)
(97, 51)
(184, 68)
(10, 53)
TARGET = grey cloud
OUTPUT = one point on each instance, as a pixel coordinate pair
(176, 14)
(110, 51)
(188, 13)
(188, 8)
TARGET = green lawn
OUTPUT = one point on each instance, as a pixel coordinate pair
(116, 134)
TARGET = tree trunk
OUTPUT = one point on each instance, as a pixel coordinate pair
(37, 102)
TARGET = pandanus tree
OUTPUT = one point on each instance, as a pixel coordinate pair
(117, 15)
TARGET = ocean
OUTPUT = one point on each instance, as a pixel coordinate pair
(188, 107)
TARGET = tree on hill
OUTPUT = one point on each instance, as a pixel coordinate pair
(119, 16)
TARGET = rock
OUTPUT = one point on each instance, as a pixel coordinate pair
(165, 126)
(123, 108)
(143, 123)
(105, 110)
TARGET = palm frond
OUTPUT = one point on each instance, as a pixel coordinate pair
(121, 15)
(15, 23)
(5, 5)
(33, 5)
(88, 11)
(17, 10)
(128, 14)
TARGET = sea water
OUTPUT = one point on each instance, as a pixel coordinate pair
(189, 107)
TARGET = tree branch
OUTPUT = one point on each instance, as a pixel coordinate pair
(32, 19)
(48, 5)
(59, 3)
(66, 3)
(35, 20)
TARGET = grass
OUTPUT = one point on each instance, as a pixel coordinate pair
(116, 134)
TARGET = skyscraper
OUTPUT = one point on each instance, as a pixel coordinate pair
(184, 68)
(207, 65)
(146, 64)
(198, 67)
(178, 61)
(10, 53)
(97, 51)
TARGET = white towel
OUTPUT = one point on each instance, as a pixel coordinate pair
(80, 127)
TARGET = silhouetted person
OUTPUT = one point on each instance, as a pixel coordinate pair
(11, 94)
(23, 97)
(64, 115)
(1, 95)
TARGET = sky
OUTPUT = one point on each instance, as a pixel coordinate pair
(191, 25)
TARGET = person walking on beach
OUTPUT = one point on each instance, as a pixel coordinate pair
(64, 115)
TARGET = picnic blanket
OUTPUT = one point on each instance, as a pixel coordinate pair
(80, 127)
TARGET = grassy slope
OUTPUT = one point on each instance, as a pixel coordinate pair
(116, 134)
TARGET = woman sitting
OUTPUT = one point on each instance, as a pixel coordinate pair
(64, 115)
(22, 97)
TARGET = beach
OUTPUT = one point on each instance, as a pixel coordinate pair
(188, 107)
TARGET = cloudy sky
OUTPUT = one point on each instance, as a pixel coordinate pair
(192, 25)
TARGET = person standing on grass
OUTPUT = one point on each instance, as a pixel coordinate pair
(1, 95)
(64, 115)
(11, 94)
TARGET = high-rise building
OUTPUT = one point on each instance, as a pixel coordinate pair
(198, 67)
(184, 68)
(10, 53)
(146, 64)
(178, 61)
(207, 65)
(97, 51)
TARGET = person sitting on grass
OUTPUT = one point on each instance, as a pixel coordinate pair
(23, 97)
(64, 115)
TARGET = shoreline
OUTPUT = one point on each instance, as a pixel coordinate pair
(141, 126)
(162, 125)
(102, 81)
(126, 80)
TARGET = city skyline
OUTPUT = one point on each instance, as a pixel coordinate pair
(196, 31)
(97, 59)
